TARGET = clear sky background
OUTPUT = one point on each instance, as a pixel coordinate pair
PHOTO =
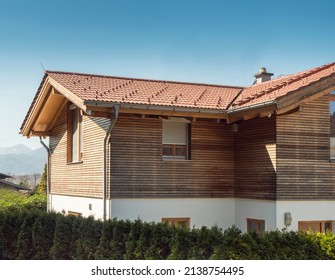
(209, 41)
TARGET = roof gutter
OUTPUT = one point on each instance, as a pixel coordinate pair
(108, 134)
(256, 106)
(154, 107)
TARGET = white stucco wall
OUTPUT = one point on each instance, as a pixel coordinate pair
(81, 205)
(305, 211)
(202, 212)
(223, 212)
(255, 209)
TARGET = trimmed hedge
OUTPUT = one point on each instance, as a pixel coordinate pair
(35, 234)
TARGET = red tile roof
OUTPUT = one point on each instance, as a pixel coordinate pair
(191, 95)
(274, 89)
(148, 92)
(132, 91)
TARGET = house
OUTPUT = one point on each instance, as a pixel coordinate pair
(258, 157)
(5, 184)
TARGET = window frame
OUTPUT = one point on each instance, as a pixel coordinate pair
(260, 225)
(185, 148)
(331, 136)
(74, 111)
(322, 223)
(177, 222)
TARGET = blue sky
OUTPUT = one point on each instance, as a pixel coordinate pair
(210, 41)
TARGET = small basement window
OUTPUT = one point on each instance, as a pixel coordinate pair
(73, 213)
(254, 225)
(316, 226)
(177, 222)
(176, 139)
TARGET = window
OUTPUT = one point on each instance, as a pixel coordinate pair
(74, 151)
(176, 134)
(332, 127)
(316, 226)
(177, 222)
(73, 213)
(254, 225)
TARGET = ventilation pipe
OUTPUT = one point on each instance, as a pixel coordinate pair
(108, 134)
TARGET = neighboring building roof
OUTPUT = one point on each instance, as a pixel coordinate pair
(11, 185)
(93, 91)
(4, 176)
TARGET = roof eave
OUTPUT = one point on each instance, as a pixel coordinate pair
(158, 109)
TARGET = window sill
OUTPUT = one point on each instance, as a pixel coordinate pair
(174, 159)
(74, 162)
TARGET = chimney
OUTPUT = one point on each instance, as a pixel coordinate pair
(262, 76)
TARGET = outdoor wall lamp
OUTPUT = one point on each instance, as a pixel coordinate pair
(287, 219)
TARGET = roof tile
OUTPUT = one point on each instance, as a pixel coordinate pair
(139, 91)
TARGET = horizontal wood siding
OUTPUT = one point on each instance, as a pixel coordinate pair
(138, 170)
(303, 153)
(255, 159)
(78, 179)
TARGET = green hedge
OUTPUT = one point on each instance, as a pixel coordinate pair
(36, 234)
(12, 199)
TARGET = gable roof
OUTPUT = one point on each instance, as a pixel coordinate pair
(89, 92)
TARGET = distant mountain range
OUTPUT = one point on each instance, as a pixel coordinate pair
(21, 160)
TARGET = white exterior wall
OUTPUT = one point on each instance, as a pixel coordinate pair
(255, 209)
(223, 212)
(305, 211)
(81, 205)
(202, 212)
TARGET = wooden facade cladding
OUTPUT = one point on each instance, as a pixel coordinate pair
(255, 159)
(304, 171)
(138, 170)
(285, 157)
(84, 178)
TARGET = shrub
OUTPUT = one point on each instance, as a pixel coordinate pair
(87, 242)
(35, 234)
(63, 247)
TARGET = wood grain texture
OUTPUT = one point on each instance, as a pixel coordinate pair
(78, 179)
(255, 159)
(138, 170)
(303, 153)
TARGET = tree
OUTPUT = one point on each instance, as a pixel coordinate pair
(42, 185)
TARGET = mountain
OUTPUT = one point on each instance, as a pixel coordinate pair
(16, 150)
(21, 160)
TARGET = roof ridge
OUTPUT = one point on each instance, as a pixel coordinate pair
(143, 79)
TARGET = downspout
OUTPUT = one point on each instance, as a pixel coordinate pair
(48, 174)
(108, 134)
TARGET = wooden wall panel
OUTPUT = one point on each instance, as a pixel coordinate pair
(255, 159)
(303, 147)
(79, 179)
(138, 170)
